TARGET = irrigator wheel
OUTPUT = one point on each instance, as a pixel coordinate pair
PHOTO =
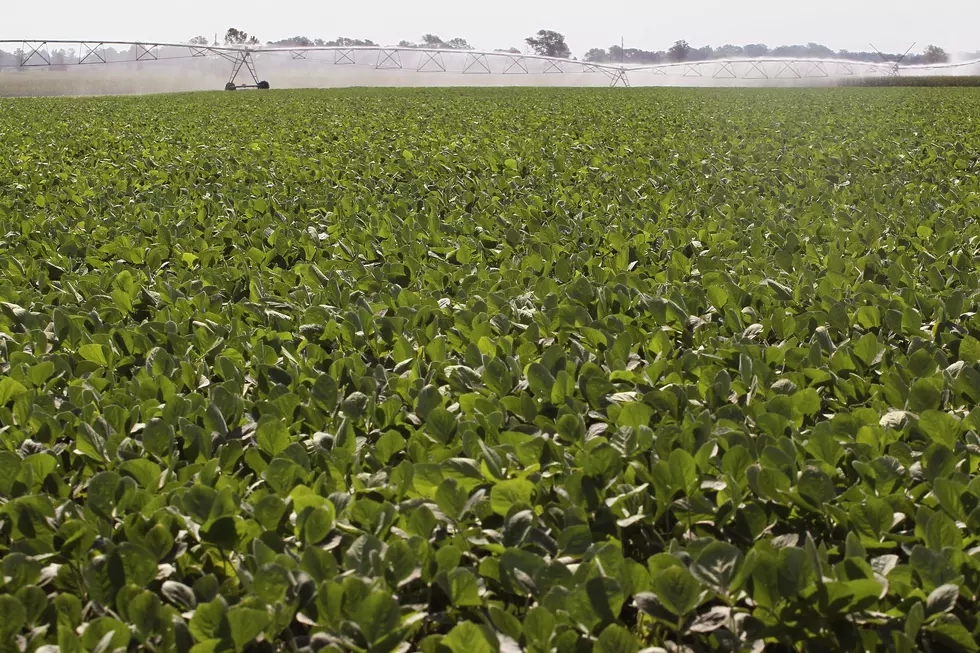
(230, 86)
(262, 86)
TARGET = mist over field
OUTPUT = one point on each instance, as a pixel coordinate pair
(284, 73)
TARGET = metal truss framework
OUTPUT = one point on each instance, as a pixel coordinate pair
(39, 53)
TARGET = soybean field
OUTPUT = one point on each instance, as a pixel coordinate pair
(481, 370)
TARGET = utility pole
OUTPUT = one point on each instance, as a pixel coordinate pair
(622, 49)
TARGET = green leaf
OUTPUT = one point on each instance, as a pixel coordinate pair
(506, 494)
(914, 619)
(717, 565)
(158, 438)
(942, 532)
(272, 435)
(209, 620)
(807, 402)
(146, 473)
(969, 350)
(464, 590)
(951, 633)
(325, 392)
(271, 582)
(816, 486)
(101, 493)
(442, 424)
(10, 465)
(941, 427)
(497, 377)
(540, 380)
(94, 353)
(943, 599)
(9, 389)
(429, 398)
(13, 617)
(467, 637)
(355, 405)
(683, 470)
(717, 296)
(139, 565)
(867, 347)
(180, 595)
(634, 415)
(318, 524)
(106, 627)
(539, 626)
(245, 624)
(143, 612)
(377, 616)
(925, 394)
(616, 639)
(596, 389)
(600, 600)
(388, 445)
(677, 590)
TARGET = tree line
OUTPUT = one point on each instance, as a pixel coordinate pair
(682, 51)
(553, 44)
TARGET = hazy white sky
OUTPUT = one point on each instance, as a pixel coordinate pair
(892, 25)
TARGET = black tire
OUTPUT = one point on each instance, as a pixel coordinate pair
(230, 86)
(262, 86)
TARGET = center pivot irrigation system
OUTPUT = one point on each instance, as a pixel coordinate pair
(53, 53)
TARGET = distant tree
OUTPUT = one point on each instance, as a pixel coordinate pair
(935, 54)
(295, 41)
(683, 52)
(701, 54)
(237, 37)
(729, 51)
(508, 50)
(199, 40)
(406, 44)
(788, 51)
(458, 44)
(680, 51)
(597, 55)
(618, 54)
(549, 44)
(433, 41)
(818, 51)
(344, 42)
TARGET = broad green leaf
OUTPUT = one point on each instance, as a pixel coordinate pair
(717, 565)
(93, 352)
(9, 389)
(969, 350)
(464, 590)
(507, 494)
(467, 637)
(245, 624)
(209, 620)
(616, 639)
(377, 616)
(13, 617)
(677, 590)
(272, 435)
(117, 633)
